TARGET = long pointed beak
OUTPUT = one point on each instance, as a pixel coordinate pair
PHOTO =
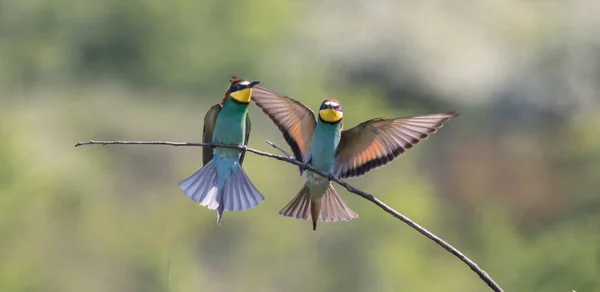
(253, 83)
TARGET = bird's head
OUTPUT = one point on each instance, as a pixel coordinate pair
(331, 111)
(241, 90)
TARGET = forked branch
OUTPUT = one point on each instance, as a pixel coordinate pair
(289, 159)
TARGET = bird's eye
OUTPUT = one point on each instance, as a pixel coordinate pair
(238, 87)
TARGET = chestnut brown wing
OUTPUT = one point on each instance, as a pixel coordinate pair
(377, 142)
(294, 119)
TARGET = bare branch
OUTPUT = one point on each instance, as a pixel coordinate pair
(92, 142)
(474, 267)
(280, 149)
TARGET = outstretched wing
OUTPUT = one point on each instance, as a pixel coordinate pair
(294, 119)
(377, 142)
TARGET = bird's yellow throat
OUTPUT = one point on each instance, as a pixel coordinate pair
(331, 115)
(243, 95)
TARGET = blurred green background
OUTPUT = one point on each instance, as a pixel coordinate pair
(514, 182)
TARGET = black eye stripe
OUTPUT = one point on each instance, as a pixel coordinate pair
(337, 107)
(236, 87)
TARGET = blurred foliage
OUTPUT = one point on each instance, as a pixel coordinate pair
(513, 182)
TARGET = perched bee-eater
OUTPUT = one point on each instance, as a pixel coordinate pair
(221, 183)
(322, 143)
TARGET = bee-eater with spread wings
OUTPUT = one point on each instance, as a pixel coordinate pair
(322, 143)
(221, 183)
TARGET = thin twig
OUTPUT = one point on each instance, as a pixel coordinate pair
(285, 153)
(480, 272)
(280, 149)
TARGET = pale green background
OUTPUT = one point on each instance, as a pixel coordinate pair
(513, 183)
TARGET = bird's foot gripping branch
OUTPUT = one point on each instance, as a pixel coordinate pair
(288, 158)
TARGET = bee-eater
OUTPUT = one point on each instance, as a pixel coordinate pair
(322, 143)
(221, 183)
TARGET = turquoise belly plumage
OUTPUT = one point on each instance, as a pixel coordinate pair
(322, 152)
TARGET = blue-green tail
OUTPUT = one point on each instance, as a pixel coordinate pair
(235, 193)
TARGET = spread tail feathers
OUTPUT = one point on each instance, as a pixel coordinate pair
(329, 208)
(237, 194)
(202, 186)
